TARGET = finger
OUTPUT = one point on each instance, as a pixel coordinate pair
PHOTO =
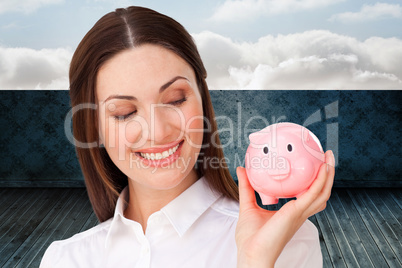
(322, 192)
(319, 182)
(316, 187)
(326, 191)
(322, 175)
(330, 158)
(246, 192)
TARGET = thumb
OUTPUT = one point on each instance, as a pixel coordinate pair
(246, 192)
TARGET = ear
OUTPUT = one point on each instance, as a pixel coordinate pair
(256, 137)
(306, 135)
(253, 137)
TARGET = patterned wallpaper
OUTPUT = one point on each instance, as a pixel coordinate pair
(361, 127)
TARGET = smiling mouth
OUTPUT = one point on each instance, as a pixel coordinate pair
(159, 155)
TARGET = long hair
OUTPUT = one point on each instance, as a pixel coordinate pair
(115, 32)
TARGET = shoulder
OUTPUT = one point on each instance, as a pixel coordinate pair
(78, 249)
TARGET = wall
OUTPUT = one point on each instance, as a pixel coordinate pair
(361, 127)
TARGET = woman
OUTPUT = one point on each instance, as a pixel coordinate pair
(151, 181)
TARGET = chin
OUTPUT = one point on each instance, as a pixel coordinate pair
(161, 178)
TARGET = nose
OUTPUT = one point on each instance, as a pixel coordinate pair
(280, 168)
(160, 128)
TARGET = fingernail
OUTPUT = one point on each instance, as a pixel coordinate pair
(331, 160)
(327, 168)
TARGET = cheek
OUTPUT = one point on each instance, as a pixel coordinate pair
(135, 132)
(195, 124)
(118, 135)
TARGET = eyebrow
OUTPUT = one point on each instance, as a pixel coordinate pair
(161, 89)
(174, 79)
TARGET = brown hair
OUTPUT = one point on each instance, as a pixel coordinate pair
(117, 31)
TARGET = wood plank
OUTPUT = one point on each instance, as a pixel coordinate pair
(392, 206)
(11, 204)
(35, 254)
(387, 223)
(15, 217)
(325, 255)
(396, 194)
(331, 243)
(91, 222)
(364, 209)
(26, 224)
(40, 184)
(364, 235)
(78, 219)
(367, 184)
(351, 235)
(364, 218)
(60, 230)
(339, 232)
(5, 196)
(54, 207)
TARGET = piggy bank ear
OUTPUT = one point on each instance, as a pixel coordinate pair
(253, 137)
(261, 137)
(306, 135)
(312, 145)
(309, 136)
(257, 139)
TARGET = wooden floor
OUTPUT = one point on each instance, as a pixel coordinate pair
(359, 227)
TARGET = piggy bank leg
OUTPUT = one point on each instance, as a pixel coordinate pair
(268, 200)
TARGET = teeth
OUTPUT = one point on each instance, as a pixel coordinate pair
(158, 156)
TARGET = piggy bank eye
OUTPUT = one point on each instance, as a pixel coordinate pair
(290, 148)
(265, 150)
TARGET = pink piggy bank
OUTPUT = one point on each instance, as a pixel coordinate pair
(282, 161)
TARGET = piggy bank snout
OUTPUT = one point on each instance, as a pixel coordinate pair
(281, 169)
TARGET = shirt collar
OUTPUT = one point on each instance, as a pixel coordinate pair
(121, 204)
(185, 209)
(182, 211)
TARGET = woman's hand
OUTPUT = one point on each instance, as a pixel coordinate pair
(261, 235)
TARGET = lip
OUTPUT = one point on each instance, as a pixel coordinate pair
(159, 149)
(161, 162)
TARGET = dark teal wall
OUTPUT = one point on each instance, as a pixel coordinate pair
(362, 127)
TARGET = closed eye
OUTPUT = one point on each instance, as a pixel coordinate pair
(178, 102)
(126, 116)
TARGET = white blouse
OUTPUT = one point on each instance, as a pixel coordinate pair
(197, 229)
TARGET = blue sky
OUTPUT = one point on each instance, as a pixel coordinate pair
(245, 43)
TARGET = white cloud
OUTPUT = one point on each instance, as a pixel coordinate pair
(248, 9)
(309, 60)
(25, 68)
(25, 6)
(370, 12)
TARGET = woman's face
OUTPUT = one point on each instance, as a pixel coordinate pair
(150, 115)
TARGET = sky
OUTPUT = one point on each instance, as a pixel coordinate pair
(245, 44)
